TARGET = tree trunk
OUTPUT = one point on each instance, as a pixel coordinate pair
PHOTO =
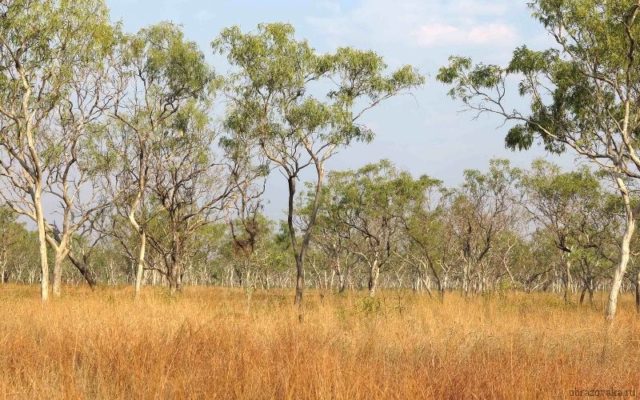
(299, 280)
(3, 267)
(140, 267)
(567, 281)
(625, 252)
(174, 278)
(88, 276)
(374, 273)
(57, 273)
(466, 279)
(42, 241)
(298, 252)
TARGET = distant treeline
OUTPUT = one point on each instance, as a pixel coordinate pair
(111, 147)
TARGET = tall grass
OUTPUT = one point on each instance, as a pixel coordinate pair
(219, 344)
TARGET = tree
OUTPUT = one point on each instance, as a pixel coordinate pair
(43, 46)
(246, 223)
(191, 186)
(164, 77)
(372, 203)
(572, 208)
(583, 94)
(481, 210)
(16, 248)
(275, 96)
(429, 234)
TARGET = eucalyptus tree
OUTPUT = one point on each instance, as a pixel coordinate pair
(16, 248)
(46, 49)
(8, 239)
(482, 209)
(583, 94)
(302, 107)
(573, 209)
(244, 216)
(191, 183)
(332, 238)
(372, 203)
(428, 230)
(165, 77)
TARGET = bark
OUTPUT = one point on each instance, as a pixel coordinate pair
(567, 281)
(299, 280)
(140, 266)
(3, 266)
(86, 273)
(466, 279)
(374, 274)
(42, 242)
(298, 252)
(174, 278)
(439, 282)
(625, 252)
(57, 274)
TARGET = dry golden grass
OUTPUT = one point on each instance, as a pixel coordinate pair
(213, 344)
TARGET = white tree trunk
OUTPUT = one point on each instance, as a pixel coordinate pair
(630, 226)
(374, 273)
(42, 240)
(57, 274)
(140, 267)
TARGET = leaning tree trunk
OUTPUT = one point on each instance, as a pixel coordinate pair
(84, 270)
(625, 252)
(140, 266)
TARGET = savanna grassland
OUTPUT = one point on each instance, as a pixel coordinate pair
(209, 343)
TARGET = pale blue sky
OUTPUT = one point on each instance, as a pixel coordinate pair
(424, 133)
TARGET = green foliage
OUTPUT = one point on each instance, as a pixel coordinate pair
(273, 96)
(577, 93)
(164, 57)
(44, 43)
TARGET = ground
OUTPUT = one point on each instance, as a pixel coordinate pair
(214, 343)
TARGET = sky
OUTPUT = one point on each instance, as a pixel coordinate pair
(425, 132)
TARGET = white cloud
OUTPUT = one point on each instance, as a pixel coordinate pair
(420, 23)
(438, 34)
